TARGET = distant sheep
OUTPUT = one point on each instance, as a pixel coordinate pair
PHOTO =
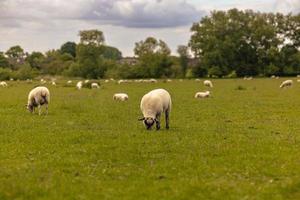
(3, 84)
(79, 85)
(197, 80)
(153, 104)
(95, 85)
(69, 82)
(37, 97)
(200, 95)
(287, 83)
(53, 83)
(120, 97)
(208, 83)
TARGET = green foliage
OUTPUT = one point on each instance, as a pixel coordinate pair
(5, 73)
(35, 60)
(247, 42)
(3, 61)
(91, 37)
(69, 48)
(25, 72)
(111, 53)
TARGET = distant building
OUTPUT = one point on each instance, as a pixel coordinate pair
(128, 60)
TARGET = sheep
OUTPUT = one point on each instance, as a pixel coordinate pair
(86, 81)
(169, 80)
(3, 84)
(153, 80)
(153, 104)
(106, 81)
(43, 81)
(120, 97)
(79, 85)
(69, 82)
(95, 85)
(208, 83)
(11, 79)
(53, 83)
(121, 81)
(197, 80)
(273, 76)
(199, 95)
(37, 97)
(298, 80)
(287, 83)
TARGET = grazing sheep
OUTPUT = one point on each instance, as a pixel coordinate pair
(38, 97)
(208, 83)
(287, 83)
(169, 80)
(11, 79)
(106, 81)
(121, 81)
(120, 97)
(200, 95)
(197, 80)
(95, 85)
(3, 84)
(273, 76)
(43, 81)
(153, 104)
(69, 82)
(79, 85)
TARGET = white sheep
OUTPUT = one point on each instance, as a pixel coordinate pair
(95, 85)
(120, 97)
(37, 97)
(169, 80)
(208, 83)
(197, 80)
(53, 83)
(69, 82)
(153, 104)
(287, 83)
(79, 85)
(200, 95)
(106, 81)
(298, 80)
(3, 84)
(153, 80)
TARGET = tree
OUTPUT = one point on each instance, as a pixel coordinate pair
(111, 53)
(35, 59)
(3, 61)
(154, 58)
(15, 56)
(92, 37)
(69, 47)
(184, 56)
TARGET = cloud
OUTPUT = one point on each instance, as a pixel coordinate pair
(126, 13)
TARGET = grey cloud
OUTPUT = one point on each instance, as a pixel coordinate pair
(127, 13)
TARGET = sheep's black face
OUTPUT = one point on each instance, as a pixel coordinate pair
(149, 122)
(30, 108)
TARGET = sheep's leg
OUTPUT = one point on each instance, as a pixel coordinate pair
(157, 122)
(167, 119)
(46, 109)
(39, 107)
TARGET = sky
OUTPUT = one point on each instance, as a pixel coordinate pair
(41, 25)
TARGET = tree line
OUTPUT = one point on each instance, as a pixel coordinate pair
(231, 43)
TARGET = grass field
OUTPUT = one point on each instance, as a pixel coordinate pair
(243, 143)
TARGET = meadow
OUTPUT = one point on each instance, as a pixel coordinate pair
(242, 143)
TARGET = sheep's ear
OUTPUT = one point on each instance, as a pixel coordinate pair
(141, 119)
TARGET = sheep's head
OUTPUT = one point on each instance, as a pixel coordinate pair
(148, 122)
(29, 108)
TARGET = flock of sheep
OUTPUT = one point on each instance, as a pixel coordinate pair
(153, 104)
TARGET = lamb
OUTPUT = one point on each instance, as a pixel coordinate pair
(95, 85)
(38, 97)
(79, 85)
(199, 95)
(208, 83)
(3, 84)
(153, 104)
(120, 97)
(287, 83)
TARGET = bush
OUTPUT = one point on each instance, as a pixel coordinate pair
(5, 74)
(25, 72)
